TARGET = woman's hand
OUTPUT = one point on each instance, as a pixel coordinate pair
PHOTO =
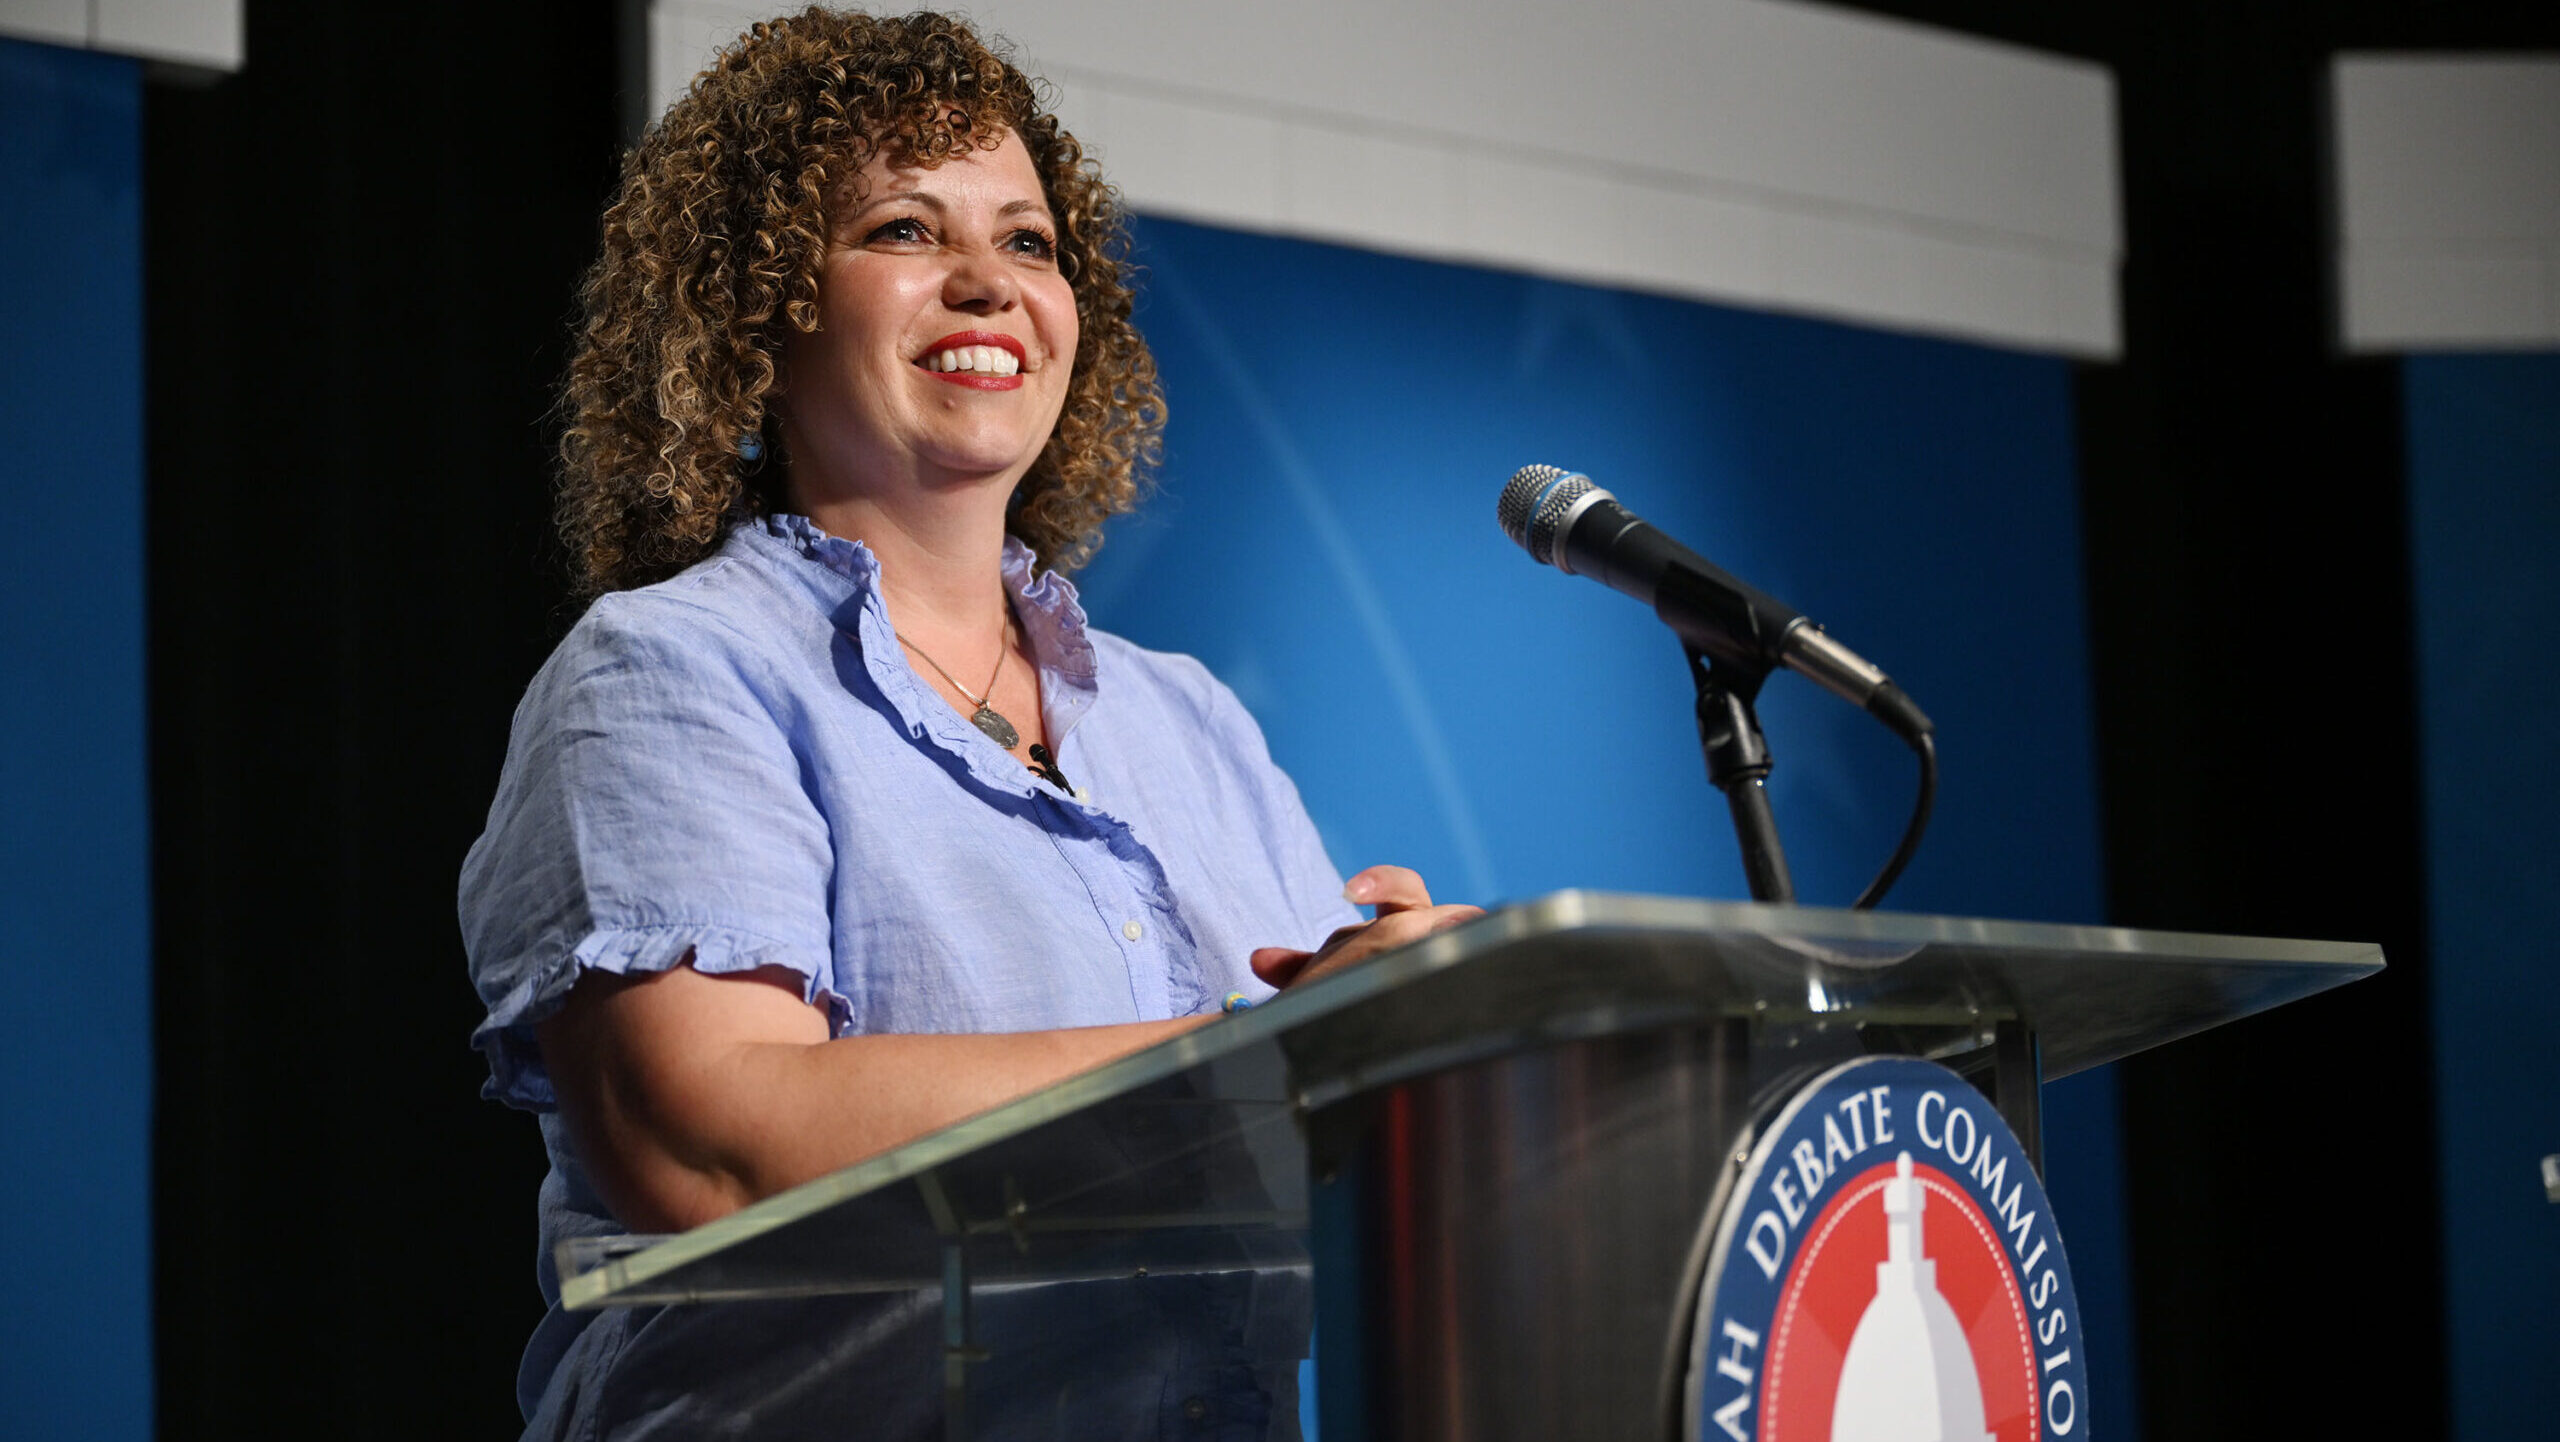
(1405, 915)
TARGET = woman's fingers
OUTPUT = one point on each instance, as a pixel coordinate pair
(1388, 888)
(1391, 930)
(1405, 915)
(1279, 965)
(1457, 913)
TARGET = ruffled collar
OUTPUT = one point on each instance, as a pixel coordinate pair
(1045, 602)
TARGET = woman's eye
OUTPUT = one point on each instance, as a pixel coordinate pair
(1032, 243)
(903, 231)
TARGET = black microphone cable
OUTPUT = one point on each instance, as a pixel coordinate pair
(1925, 745)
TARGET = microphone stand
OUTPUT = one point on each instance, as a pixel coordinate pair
(1738, 765)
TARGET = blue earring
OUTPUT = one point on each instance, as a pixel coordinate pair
(751, 447)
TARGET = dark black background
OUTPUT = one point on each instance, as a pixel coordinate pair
(361, 252)
(361, 255)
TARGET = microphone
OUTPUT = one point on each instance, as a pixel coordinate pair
(1561, 519)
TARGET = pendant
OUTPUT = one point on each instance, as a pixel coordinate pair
(998, 729)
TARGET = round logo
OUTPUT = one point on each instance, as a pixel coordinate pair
(1886, 1267)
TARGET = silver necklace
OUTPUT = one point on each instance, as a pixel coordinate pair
(986, 718)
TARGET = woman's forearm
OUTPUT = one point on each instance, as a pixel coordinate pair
(690, 1096)
(799, 1125)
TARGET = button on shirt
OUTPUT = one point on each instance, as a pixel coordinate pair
(740, 766)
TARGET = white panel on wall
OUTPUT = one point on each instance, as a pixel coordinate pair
(195, 34)
(683, 38)
(2448, 203)
(57, 22)
(202, 33)
(1766, 154)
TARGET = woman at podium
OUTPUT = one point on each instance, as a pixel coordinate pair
(832, 821)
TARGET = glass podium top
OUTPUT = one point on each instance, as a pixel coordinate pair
(1188, 1156)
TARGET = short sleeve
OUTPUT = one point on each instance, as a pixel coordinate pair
(652, 806)
(1308, 876)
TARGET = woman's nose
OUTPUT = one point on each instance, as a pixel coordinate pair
(979, 283)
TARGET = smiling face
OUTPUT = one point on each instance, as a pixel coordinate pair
(946, 336)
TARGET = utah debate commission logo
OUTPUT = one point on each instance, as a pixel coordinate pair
(1886, 1269)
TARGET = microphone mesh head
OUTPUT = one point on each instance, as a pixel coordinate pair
(1535, 503)
(1547, 523)
(1520, 499)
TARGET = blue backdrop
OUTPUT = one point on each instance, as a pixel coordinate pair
(1325, 541)
(75, 898)
(2484, 487)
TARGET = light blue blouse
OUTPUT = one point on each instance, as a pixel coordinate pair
(740, 764)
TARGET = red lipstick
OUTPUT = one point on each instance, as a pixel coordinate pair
(970, 379)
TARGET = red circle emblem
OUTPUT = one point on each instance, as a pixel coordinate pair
(1835, 1278)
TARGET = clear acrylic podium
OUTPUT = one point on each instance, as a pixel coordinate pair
(1497, 1148)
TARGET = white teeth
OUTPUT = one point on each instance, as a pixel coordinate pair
(976, 359)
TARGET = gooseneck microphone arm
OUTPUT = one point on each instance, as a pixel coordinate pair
(1734, 636)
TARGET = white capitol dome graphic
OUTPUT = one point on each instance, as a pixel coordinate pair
(1909, 1374)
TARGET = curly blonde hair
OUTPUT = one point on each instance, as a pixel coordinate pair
(711, 257)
